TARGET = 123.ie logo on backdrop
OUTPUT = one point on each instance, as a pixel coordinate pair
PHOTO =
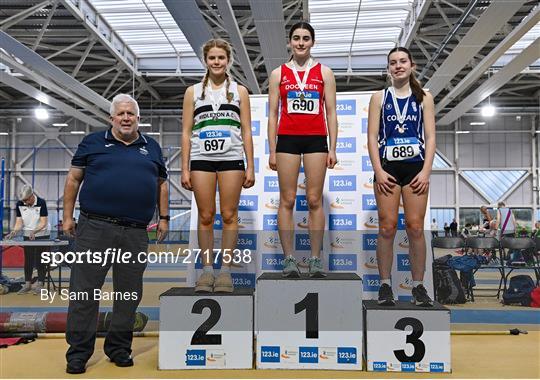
(247, 241)
(271, 184)
(343, 183)
(248, 203)
(344, 222)
(346, 145)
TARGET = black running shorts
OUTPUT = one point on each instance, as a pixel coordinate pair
(216, 166)
(403, 172)
(301, 144)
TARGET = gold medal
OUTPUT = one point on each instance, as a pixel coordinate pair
(302, 96)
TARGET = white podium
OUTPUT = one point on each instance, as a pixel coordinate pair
(309, 323)
(407, 338)
(206, 330)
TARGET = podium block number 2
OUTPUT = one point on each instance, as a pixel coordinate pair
(310, 303)
(201, 335)
(412, 338)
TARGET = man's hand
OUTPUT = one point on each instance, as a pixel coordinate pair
(162, 230)
(68, 226)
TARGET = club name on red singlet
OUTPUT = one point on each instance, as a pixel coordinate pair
(302, 112)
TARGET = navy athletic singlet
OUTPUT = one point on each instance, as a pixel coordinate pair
(401, 130)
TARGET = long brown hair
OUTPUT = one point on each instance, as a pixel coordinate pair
(221, 44)
(301, 25)
(416, 87)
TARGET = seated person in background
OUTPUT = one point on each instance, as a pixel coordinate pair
(484, 229)
(466, 231)
(32, 220)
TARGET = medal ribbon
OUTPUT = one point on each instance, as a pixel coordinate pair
(400, 115)
(301, 83)
(216, 103)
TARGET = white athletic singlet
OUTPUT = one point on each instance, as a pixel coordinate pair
(216, 133)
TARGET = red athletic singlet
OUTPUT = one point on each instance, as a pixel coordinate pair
(302, 113)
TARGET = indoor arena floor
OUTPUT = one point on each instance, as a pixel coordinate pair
(473, 356)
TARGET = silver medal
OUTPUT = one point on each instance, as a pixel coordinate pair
(401, 115)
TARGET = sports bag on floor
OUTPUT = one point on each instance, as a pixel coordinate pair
(448, 288)
(519, 290)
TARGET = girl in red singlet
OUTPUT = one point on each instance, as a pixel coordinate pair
(307, 91)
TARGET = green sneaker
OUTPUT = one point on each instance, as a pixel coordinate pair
(316, 268)
(290, 268)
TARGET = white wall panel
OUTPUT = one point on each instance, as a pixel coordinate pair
(442, 188)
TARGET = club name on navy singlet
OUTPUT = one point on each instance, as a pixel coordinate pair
(401, 131)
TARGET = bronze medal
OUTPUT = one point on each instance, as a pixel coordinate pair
(302, 96)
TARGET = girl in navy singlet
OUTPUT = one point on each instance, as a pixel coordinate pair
(401, 144)
(307, 92)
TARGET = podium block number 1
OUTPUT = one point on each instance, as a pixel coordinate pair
(313, 329)
(413, 338)
(310, 303)
(201, 335)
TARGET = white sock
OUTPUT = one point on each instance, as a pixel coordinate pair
(28, 284)
(416, 283)
(387, 282)
(225, 269)
(208, 269)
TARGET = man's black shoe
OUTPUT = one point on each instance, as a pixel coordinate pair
(76, 366)
(420, 297)
(386, 297)
(123, 359)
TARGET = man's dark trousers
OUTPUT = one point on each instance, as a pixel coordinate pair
(97, 236)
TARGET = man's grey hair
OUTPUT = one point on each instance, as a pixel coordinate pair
(25, 192)
(123, 98)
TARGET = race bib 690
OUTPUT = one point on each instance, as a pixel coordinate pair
(303, 102)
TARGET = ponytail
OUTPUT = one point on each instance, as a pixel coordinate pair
(416, 88)
(205, 83)
(228, 94)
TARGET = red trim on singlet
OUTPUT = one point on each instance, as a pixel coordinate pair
(301, 124)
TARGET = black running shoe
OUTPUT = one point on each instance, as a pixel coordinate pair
(386, 297)
(420, 297)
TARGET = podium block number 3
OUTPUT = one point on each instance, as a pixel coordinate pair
(201, 335)
(412, 338)
(310, 303)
